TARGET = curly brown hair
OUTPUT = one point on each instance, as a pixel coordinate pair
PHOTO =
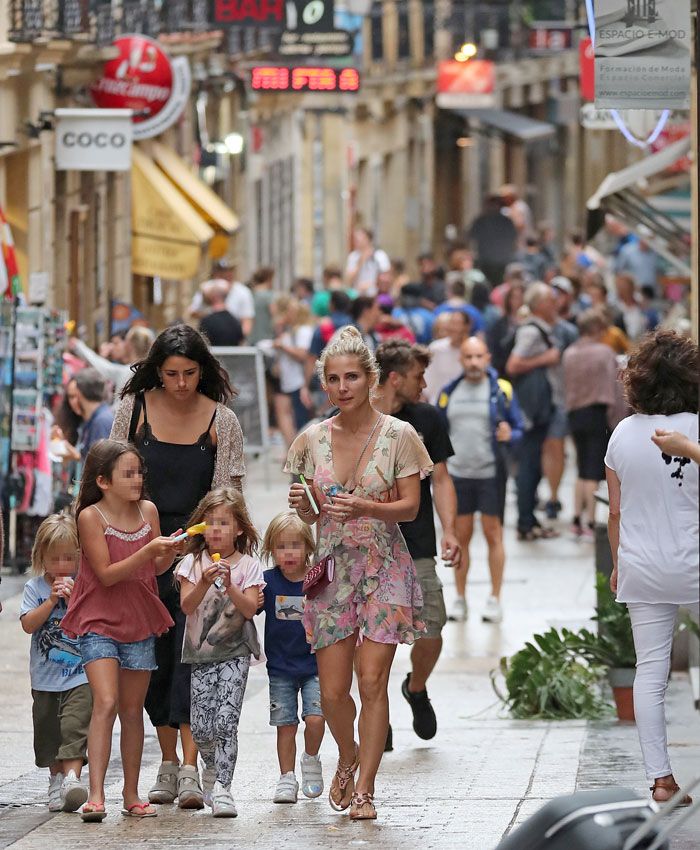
(662, 375)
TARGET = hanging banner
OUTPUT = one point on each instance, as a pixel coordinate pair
(145, 79)
(642, 54)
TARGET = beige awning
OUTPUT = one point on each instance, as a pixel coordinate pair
(168, 233)
(207, 203)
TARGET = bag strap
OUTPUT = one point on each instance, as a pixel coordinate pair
(545, 336)
(351, 480)
(136, 413)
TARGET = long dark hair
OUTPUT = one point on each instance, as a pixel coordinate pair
(662, 375)
(181, 341)
(101, 460)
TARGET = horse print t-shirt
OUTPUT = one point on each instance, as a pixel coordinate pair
(54, 659)
(217, 631)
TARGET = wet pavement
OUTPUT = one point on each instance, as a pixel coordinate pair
(483, 773)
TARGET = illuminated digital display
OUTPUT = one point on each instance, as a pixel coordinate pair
(304, 79)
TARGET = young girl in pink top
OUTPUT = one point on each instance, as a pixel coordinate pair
(115, 611)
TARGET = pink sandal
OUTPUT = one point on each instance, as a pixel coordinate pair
(139, 810)
(93, 812)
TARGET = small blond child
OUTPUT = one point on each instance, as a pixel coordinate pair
(291, 666)
(62, 702)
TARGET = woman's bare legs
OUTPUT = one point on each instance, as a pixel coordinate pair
(284, 414)
(373, 667)
(335, 677)
(103, 677)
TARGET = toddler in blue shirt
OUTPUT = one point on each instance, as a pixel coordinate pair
(291, 667)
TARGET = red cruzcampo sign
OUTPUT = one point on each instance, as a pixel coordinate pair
(248, 13)
(307, 79)
(144, 78)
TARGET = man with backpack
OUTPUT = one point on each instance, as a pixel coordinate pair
(534, 365)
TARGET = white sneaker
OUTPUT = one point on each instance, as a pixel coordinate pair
(493, 613)
(73, 793)
(458, 613)
(311, 776)
(222, 805)
(287, 789)
(208, 780)
(164, 789)
(189, 791)
(55, 783)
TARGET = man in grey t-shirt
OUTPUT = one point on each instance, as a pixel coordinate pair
(480, 417)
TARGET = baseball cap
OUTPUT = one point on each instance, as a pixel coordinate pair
(563, 284)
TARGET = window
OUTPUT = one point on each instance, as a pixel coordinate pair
(428, 30)
(404, 29)
(377, 32)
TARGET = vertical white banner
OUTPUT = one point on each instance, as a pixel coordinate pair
(642, 54)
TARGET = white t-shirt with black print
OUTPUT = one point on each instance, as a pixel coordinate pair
(658, 553)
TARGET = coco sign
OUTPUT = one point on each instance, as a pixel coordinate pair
(93, 139)
(144, 79)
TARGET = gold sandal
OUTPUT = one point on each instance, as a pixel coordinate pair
(363, 807)
(670, 788)
(343, 784)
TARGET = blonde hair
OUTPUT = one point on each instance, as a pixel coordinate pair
(287, 521)
(55, 530)
(348, 342)
(247, 542)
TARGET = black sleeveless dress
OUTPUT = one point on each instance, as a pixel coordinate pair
(178, 476)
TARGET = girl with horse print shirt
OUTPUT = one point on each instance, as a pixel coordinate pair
(219, 585)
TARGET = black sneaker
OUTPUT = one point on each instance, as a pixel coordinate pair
(389, 743)
(424, 720)
(552, 509)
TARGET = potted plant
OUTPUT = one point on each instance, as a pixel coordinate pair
(613, 646)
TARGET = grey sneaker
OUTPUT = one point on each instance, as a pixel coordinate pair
(458, 613)
(493, 613)
(311, 776)
(287, 789)
(164, 789)
(208, 780)
(55, 783)
(73, 793)
(222, 802)
(189, 791)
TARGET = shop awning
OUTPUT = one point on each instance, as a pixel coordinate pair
(630, 195)
(639, 172)
(168, 233)
(207, 203)
(510, 123)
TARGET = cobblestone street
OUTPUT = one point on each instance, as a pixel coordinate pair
(479, 777)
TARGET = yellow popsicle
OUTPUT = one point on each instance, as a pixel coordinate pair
(196, 529)
(216, 557)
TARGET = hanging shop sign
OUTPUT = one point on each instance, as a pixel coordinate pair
(93, 139)
(310, 15)
(311, 44)
(466, 85)
(145, 79)
(248, 13)
(642, 54)
(304, 79)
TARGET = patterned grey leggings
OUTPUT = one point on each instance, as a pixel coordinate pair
(217, 699)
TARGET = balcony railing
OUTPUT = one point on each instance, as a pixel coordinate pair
(100, 21)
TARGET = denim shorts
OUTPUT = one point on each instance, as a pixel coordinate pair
(139, 655)
(284, 699)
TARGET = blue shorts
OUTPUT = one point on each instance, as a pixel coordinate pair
(284, 699)
(139, 655)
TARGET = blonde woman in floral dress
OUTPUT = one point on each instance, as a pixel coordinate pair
(364, 469)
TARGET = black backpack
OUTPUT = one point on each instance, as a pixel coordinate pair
(534, 391)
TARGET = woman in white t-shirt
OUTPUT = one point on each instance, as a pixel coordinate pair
(653, 527)
(294, 330)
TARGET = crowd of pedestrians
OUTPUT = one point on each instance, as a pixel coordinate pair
(397, 399)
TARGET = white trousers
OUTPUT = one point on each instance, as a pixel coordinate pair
(653, 625)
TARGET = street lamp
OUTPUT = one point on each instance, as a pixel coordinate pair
(466, 52)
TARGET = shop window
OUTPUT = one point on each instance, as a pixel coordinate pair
(377, 32)
(403, 29)
(428, 30)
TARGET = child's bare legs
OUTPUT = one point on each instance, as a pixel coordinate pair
(167, 739)
(287, 748)
(103, 677)
(64, 766)
(189, 748)
(133, 685)
(313, 733)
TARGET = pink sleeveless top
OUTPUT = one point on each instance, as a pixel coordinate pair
(127, 611)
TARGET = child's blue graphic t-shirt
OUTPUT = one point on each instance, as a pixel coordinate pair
(55, 663)
(288, 653)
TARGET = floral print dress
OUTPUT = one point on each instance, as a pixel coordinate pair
(374, 590)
